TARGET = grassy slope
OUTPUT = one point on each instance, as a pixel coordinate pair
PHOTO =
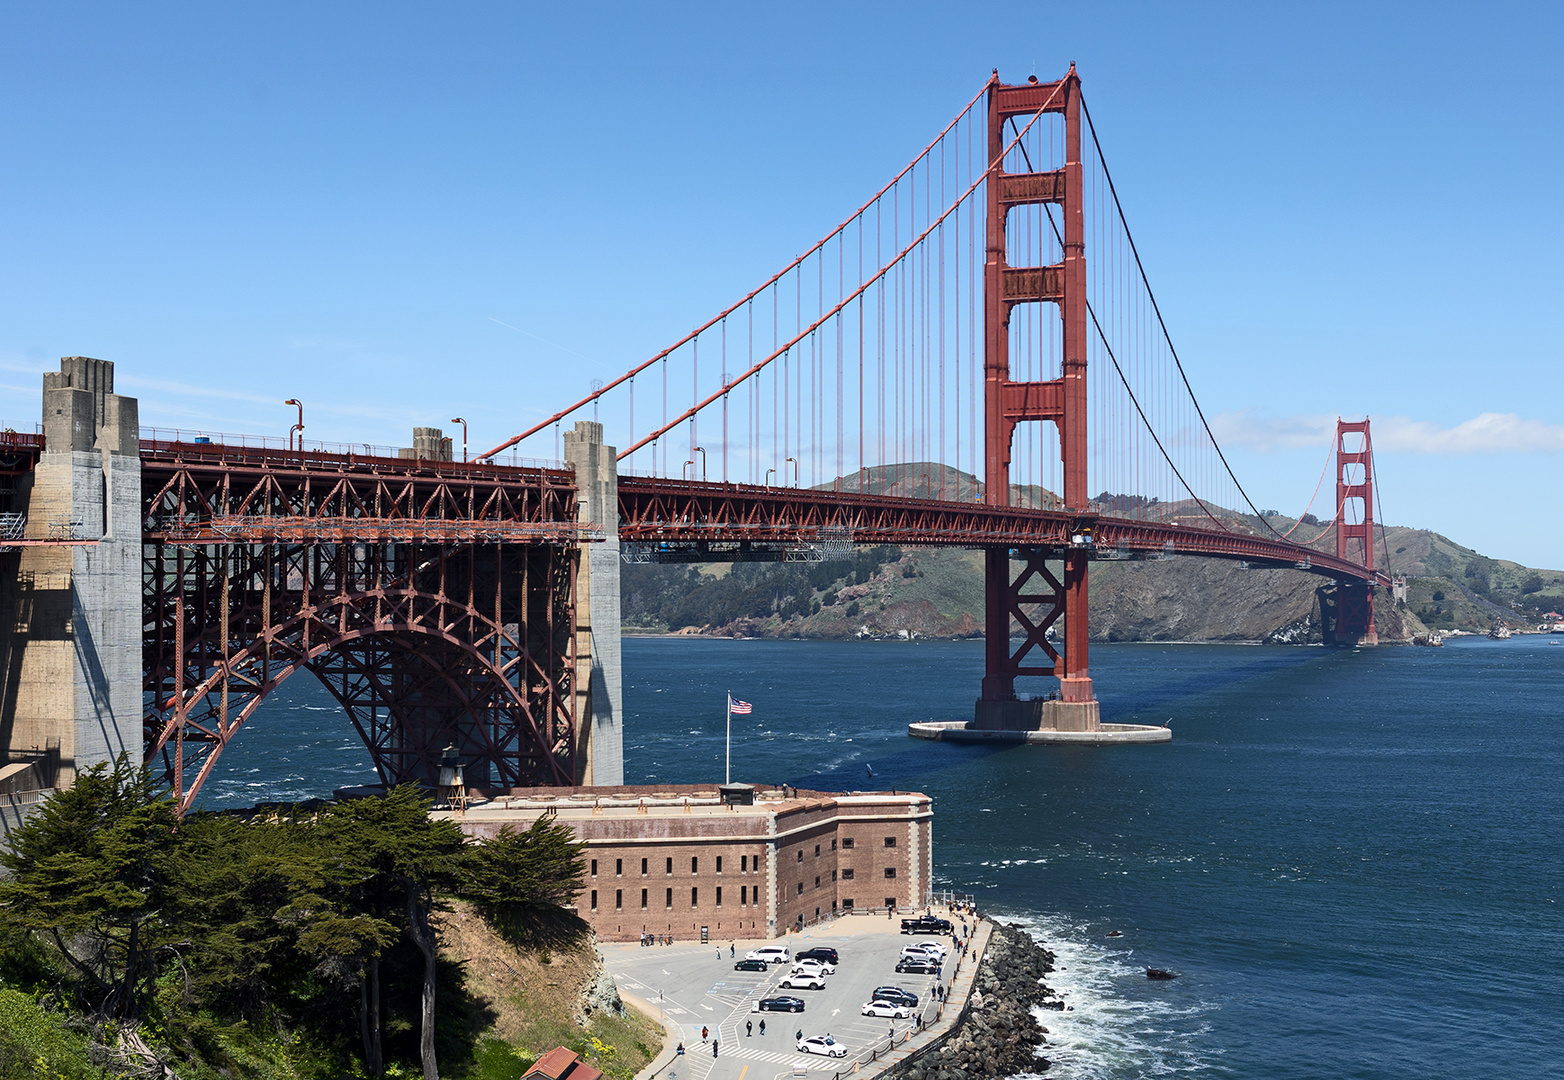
(534, 1003)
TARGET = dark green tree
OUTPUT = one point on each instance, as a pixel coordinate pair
(88, 872)
(397, 854)
(522, 880)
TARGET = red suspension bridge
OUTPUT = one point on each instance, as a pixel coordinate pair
(987, 309)
(984, 314)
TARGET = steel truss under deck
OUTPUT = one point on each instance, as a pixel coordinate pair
(403, 589)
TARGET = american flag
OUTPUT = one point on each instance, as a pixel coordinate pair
(739, 708)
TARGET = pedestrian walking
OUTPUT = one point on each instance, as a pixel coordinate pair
(749, 1028)
(732, 951)
(704, 1033)
(714, 1044)
(762, 1025)
(719, 954)
(798, 1036)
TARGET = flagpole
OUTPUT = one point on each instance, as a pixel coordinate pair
(727, 770)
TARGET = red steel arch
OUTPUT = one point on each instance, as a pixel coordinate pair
(484, 710)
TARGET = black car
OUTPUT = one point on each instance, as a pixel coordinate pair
(780, 1004)
(926, 924)
(751, 965)
(828, 955)
(894, 994)
(917, 967)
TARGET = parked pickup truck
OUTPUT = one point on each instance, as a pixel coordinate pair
(925, 924)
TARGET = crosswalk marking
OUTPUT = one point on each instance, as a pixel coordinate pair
(807, 1061)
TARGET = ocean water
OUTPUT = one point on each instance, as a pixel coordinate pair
(1352, 857)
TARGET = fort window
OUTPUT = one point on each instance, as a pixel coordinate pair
(833, 845)
(719, 895)
(817, 851)
(890, 871)
(643, 867)
(669, 900)
(643, 899)
(594, 899)
(743, 895)
(594, 872)
(619, 867)
(800, 854)
(847, 905)
(743, 864)
(619, 899)
(833, 875)
(695, 865)
(670, 864)
(800, 889)
(847, 843)
(817, 881)
(890, 841)
(847, 875)
(719, 864)
(695, 897)
(890, 902)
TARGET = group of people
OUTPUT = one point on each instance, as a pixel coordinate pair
(657, 939)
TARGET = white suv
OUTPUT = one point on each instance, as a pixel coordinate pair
(771, 954)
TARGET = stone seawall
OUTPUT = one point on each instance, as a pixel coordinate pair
(997, 1034)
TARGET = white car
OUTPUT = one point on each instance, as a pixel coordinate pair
(929, 950)
(821, 1044)
(814, 967)
(935, 949)
(771, 954)
(887, 1008)
(796, 981)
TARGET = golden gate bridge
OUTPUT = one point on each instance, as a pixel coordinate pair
(960, 362)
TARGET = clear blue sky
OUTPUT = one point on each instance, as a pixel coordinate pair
(1346, 209)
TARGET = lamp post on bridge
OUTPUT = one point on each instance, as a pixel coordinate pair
(684, 470)
(299, 427)
(769, 474)
(701, 450)
(459, 420)
(795, 471)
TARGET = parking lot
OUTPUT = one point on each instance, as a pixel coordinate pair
(693, 987)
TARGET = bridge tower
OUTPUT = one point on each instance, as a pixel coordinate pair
(70, 641)
(1355, 483)
(1036, 598)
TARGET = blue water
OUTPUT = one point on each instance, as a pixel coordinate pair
(1351, 857)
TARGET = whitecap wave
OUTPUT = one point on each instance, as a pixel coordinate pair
(1116, 1027)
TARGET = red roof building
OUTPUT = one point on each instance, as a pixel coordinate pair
(561, 1064)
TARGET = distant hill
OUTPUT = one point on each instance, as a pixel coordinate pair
(889, 591)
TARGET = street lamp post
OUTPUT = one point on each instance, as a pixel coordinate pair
(795, 471)
(701, 450)
(769, 473)
(459, 420)
(684, 470)
(299, 427)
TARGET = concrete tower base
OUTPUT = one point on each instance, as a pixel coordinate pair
(70, 628)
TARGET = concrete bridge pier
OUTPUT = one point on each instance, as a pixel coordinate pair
(70, 616)
(600, 714)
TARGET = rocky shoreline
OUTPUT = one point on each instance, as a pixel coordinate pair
(999, 1036)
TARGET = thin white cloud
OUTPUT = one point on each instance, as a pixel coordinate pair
(1487, 433)
(1267, 434)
